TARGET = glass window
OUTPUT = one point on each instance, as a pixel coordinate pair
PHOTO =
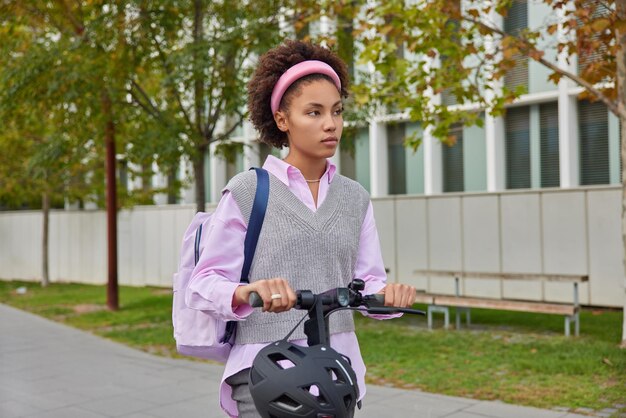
(549, 144)
(265, 150)
(123, 174)
(397, 158)
(517, 147)
(234, 167)
(347, 163)
(453, 178)
(515, 21)
(593, 125)
(588, 53)
(447, 97)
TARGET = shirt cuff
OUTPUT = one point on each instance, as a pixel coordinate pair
(373, 287)
(214, 296)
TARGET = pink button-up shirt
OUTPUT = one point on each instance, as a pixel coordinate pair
(217, 273)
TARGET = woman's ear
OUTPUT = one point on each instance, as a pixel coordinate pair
(281, 120)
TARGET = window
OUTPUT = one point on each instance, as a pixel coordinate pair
(397, 158)
(588, 53)
(346, 152)
(265, 150)
(593, 125)
(453, 178)
(549, 144)
(517, 147)
(234, 167)
(447, 96)
(122, 173)
(516, 21)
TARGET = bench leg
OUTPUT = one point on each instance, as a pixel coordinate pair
(440, 309)
(459, 312)
(568, 320)
(430, 317)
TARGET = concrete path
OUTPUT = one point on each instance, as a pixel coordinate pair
(48, 370)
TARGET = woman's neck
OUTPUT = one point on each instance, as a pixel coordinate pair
(310, 169)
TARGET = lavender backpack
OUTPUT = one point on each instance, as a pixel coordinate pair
(198, 333)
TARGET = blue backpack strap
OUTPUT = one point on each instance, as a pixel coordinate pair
(255, 223)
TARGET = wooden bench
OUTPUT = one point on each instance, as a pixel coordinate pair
(463, 304)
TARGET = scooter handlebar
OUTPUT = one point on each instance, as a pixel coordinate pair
(376, 300)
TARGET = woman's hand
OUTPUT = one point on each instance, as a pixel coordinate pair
(276, 293)
(398, 294)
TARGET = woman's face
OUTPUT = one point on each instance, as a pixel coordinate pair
(314, 121)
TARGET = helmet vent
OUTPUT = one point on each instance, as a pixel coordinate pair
(347, 400)
(335, 375)
(281, 361)
(296, 350)
(315, 391)
(286, 402)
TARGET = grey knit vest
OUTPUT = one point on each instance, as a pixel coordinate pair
(316, 251)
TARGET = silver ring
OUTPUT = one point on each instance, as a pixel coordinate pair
(276, 296)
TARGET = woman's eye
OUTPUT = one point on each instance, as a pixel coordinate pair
(338, 111)
(313, 113)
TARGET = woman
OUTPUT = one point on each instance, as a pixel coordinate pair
(319, 230)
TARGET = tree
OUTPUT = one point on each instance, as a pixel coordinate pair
(83, 64)
(41, 160)
(197, 57)
(462, 52)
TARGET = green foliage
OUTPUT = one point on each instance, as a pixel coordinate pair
(174, 70)
(171, 70)
(39, 146)
(49, 96)
(420, 50)
(191, 68)
(229, 150)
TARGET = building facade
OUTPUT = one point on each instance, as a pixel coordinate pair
(548, 138)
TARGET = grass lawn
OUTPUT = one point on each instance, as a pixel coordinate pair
(520, 358)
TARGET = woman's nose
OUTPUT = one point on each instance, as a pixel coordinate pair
(330, 124)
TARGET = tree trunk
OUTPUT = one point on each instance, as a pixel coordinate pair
(172, 194)
(45, 207)
(199, 102)
(111, 199)
(621, 105)
(198, 173)
(198, 70)
(146, 180)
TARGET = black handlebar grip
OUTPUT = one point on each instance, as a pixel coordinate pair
(255, 300)
(375, 300)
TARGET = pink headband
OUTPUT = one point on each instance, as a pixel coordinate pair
(295, 73)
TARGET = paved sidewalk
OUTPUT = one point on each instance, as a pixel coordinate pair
(54, 371)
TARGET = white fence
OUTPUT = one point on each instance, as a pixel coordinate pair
(553, 231)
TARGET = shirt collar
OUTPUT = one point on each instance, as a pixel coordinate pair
(282, 170)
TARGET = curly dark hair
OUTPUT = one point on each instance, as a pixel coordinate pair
(271, 66)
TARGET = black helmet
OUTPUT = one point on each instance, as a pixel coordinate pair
(289, 381)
